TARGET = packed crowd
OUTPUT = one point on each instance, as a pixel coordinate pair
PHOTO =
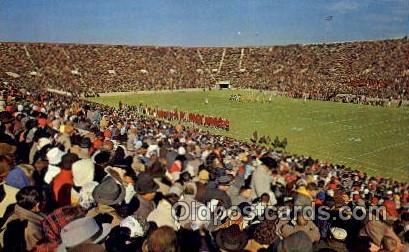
(77, 176)
(377, 69)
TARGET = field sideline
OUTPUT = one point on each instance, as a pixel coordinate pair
(373, 139)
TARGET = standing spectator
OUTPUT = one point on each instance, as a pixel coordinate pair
(145, 187)
(108, 195)
(62, 183)
(262, 179)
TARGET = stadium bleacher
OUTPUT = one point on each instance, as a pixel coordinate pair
(371, 68)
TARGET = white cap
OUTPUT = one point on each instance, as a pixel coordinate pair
(330, 193)
(54, 156)
(181, 151)
(83, 172)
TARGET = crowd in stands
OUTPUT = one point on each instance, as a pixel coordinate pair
(78, 176)
(376, 69)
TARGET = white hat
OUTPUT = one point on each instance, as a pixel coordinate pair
(181, 151)
(86, 200)
(338, 233)
(135, 227)
(54, 156)
(83, 172)
(43, 142)
(81, 230)
(20, 108)
(330, 193)
(152, 150)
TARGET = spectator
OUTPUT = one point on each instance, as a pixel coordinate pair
(30, 203)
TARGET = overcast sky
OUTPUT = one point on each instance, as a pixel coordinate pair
(202, 22)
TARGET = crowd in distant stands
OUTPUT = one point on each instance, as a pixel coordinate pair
(376, 69)
(78, 176)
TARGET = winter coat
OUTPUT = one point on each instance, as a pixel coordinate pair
(33, 232)
(162, 215)
(261, 183)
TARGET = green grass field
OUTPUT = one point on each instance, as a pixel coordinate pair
(373, 139)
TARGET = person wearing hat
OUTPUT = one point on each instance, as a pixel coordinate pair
(218, 191)
(54, 157)
(101, 160)
(262, 179)
(335, 241)
(82, 173)
(231, 239)
(201, 185)
(63, 181)
(6, 128)
(83, 234)
(305, 194)
(54, 222)
(16, 177)
(108, 195)
(145, 188)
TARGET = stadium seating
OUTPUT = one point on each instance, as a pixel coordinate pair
(372, 68)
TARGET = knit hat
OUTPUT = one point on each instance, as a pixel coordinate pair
(181, 151)
(204, 175)
(83, 172)
(54, 156)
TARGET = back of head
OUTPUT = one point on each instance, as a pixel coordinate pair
(162, 239)
(296, 242)
(28, 197)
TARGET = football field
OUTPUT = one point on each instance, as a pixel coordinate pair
(373, 139)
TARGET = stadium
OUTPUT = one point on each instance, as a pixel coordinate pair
(106, 147)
